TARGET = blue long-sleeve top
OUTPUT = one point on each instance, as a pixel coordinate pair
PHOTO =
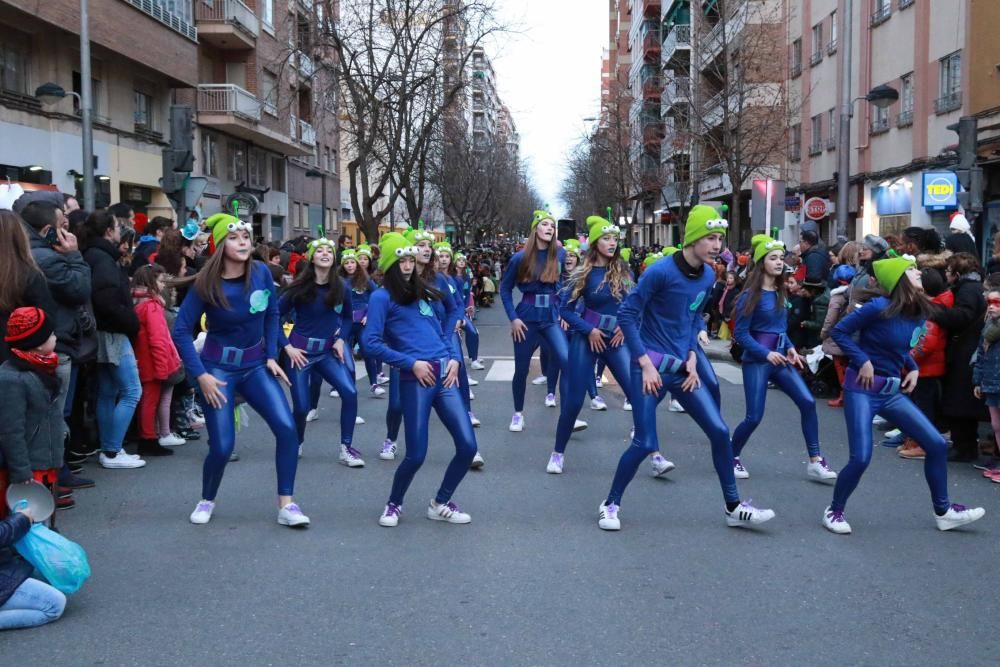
(765, 318)
(402, 335)
(663, 311)
(316, 319)
(464, 282)
(885, 342)
(251, 318)
(526, 311)
(595, 297)
(359, 298)
(446, 309)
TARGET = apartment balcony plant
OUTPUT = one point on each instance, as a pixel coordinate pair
(227, 25)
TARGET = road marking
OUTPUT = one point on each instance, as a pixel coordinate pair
(501, 371)
(729, 373)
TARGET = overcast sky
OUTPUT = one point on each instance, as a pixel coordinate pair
(549, 74)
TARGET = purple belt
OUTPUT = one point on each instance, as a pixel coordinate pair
(665, 363)
(440, 367)
(885, 386)
(772, 341)
(360, 314)
(310, 345)
(538, 300)
(603, 322)
(232, 356)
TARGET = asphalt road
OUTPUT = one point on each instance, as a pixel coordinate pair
(532, 580)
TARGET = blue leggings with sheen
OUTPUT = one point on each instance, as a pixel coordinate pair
(706, 372)
(372, 366)
(463, 376)
(262, 393)
(580, 380)
(755, 378)
(394, 412)
(471, 339)
(701, 405)
(324, 367)
(859, 408)
(538, 333)
(417, 403)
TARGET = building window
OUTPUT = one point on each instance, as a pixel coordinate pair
(950, 84)
(816, 130)
(831, 48)
(903, 4)
(881, 11)
(267, 13)
(796, 58)
(278, 174)
(236, 167)
(905, 117)
(258, 168)
(817, 45)
(95, 96)
(14, 61)
(831, 121)
(880, 120)
(269, 92)
(143, 110)
(209, 153)
(795, 149)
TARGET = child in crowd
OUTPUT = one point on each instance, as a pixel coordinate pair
(986, 372)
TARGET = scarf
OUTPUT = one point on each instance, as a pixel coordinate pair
(40, 363)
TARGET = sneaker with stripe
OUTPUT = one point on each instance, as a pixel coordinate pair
(448, 512)
(745, 515)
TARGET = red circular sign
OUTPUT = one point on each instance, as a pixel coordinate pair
(816, 208)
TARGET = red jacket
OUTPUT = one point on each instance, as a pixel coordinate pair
(155, 353)
(929, 352)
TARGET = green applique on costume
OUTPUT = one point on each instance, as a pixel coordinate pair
(258, 301)
(697, 302)
(338, 308)
(425, 309)
(918, 333)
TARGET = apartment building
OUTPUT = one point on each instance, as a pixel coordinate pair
(645, 83)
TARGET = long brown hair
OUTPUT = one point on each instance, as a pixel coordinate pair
(145, 278)
(359, 281)
(617, 275)
(527, 271)
(208, 281)
(754, 287)
(907, 301)
(16, 262)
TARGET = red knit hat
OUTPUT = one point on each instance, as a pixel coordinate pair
(28, 328)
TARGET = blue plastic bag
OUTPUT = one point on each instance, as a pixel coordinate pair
(62, 562)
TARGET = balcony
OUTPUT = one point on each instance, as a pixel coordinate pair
(904, 119)
(816, 58)
(676, 193)
(795, 153)
(903, 4)
(950, 102)
(831, 48)
(307, 134)
(815, 148)
(228, 108)
(831, 143)
(723, 32)
(651, 47)
(304, 64)
(716, 183)
(677, 44)
(228, 25)
(879, 126)
(676, 91)
(652, 88)
(795, 70)
(881, 14)
(714, 112)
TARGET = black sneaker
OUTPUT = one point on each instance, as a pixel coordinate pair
(71, 481)
(985, 463)
(75, 469)
(153, 448)
(188, 433)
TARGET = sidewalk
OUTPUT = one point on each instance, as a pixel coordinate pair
(718, 350)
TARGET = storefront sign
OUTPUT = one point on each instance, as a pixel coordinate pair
(940, 190)
(817, 208)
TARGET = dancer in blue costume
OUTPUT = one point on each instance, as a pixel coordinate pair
(661, 321)
(236, 294)
(404, 332)
(362, 287)
(463, 276)
(877, 338)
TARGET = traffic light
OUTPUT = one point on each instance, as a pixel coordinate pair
(970, 176)
(182, 138)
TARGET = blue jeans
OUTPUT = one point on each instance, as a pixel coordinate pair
(544, 334)
(34, 603)
(323, 367)
(755, 378)
(118, 393)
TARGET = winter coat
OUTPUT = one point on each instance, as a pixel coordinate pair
(817, 263)
(111, 295)
(31, 421)
(817, 317)
(963, 323)
(993, 266)
(14, 570)
(68, 279)
(961, 242)
(835, 309)
(986, 372)
(930, 351)
(143, 254)
(36, 293)
(155, 354)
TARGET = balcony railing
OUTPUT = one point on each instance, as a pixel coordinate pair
(228, 98)
(949, 102)
(815, 148)
(879, 125)
(796, 70)
(831, 143)
(676, 192)
(795, 153)
(904, 119)
(307, 134)
(831, 48)
(881, 15)
(304, 64)
(816, 58)
(903, 4)
(160, 12)
(678, 37)
(230, 11)
(293, 126)
(652, 88)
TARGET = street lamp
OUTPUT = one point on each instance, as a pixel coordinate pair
(316, 173)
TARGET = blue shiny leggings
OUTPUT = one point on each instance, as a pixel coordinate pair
(706, 372)
(394, 412)
(463, 376)
(859, 408)
(538, 333)
(324, 367)
(417, 403)
(316, 386)
(701, 405)
(755, 378)
(263, 393)
(471, 338)
(372, 366)
(580, 379)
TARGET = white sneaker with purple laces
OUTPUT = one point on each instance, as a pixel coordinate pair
(820, 471)
(608, 517)
(388, 452)
(448, 511)
(661, 466)
(746, 515)
(958, 515)
(834, 521)
(291, 515)
(516, 423)
(390, 515)
(738, 470)
(555, 466)
(350, 457)
(203, 512)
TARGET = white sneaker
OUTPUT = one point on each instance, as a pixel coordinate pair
(820, 471)
(958, 515)
(555, 466)
(171, 440)
(376, 391)
(599, 381)
(675, 406)
(472, 396)
(550, 400)
(473, 382)
(312, 415)
(388, 452)
(516, 423)
(608, 517)
(477, 365)
(739, 471)
(122, 460)
(878, 420)
(390, 515)
(203, 512)
(350, 457)
(597, 403)
(382, 378)
(196, 417)
(541, 379)
(579, 425)
(475, 421)
(477, 462)
(291, 515)
(300, 451)
(359, 420)
(334, 393)
(746, 515)
(893, 434)
(627, 407)
(449, 512)
(835, 522)
(661, 466)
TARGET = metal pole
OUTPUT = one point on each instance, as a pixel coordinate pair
(846, 111)
(86, 111)
(323, 199)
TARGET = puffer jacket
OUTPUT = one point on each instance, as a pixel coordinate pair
(31, 423)
(930, 351)
(111, 295)
(14, 570)
(155, 354)
(834, 311)
(986, 371)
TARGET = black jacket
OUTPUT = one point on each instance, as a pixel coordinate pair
(68, 278)
(111, 295)
(961, 243)
(141, 255)
(14, 570)
(36, 293)
(817, 263)
(963, 323)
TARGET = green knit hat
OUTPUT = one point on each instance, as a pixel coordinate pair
(763, 246)
(221, 225)
(889, 271)
(669, 250)
(311, 248)
(392, 246)
(652, 259)
(541, 215)
(443, 246)
(702, 221)
(626, 254)
(598, 227)
(415, 236)
(364, 249)
(348, 253)
(572, 246)
(459, 255)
